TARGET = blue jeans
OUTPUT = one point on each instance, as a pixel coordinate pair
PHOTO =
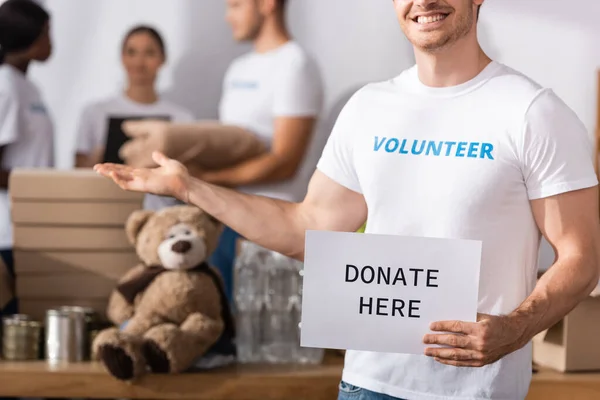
(13, 305)
(223, 259)
(351, 392)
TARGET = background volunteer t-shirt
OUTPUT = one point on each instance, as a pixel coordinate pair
(260, 87)
(459, 162)
(97, 118)
(26, 133)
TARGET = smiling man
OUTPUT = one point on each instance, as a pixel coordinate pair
(536, 177)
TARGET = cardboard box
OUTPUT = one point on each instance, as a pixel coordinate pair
(112, 265)
(71, 185)
(62, 238)
(81, 286)
(572, 344)
(101, 214)
(70, 245)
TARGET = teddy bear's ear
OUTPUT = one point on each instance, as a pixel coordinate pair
(135, 222)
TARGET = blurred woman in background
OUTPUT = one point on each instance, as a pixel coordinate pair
(143, 54)
(26, 130)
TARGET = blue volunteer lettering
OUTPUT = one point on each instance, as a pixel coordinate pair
(434, 148)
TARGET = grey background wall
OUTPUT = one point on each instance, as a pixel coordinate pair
(354, 42)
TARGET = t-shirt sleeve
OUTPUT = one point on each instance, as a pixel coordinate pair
(557, 151)
(9, 120)
(298, 90)
(86, 135)
(337, 159)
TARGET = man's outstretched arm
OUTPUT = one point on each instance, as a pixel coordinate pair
(274, 224)
(281, 225)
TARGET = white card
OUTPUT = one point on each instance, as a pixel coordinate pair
(381, 292)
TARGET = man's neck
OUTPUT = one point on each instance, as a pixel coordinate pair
(273, 34)
(458, 64)
(142, 94)
(17, 62)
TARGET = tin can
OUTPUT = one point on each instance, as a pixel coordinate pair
(66, 335)
(92, 321)
(21, 338)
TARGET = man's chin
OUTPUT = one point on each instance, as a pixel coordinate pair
(244, 38)
(430, 44)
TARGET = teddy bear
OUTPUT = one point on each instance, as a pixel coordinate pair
(171, 309)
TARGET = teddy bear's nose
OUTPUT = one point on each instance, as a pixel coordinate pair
(181, 246)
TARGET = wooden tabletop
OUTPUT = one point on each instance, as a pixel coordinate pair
(240, 382)
(552, 385)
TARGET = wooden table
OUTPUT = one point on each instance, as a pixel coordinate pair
(89, 380)
(551, 385)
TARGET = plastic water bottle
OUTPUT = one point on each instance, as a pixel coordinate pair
(249, 300)
(279, 329)
(302, 355)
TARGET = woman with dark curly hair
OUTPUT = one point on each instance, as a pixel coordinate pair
(26, 130)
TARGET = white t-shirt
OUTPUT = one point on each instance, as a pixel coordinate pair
(26, 133)
(459, 162)
(260, 87)
(92, 130)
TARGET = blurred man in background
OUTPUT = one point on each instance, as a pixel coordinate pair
(274, 91)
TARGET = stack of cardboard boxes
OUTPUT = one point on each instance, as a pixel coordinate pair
(572, 344)
(70, 246)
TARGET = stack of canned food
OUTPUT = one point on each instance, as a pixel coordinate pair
(21, 338)
(65, 336)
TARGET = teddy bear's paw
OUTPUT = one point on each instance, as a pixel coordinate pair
(156, 358)
(117, 361)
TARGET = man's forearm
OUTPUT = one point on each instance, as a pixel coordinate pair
(558, 291)
(272, 223)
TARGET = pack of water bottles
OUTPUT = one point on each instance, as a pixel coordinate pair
(268, 302)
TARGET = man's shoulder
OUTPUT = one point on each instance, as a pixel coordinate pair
(295, 51)
(293, 55)
(525, 95)
(239, 64)
(242, 58)
(515, 84)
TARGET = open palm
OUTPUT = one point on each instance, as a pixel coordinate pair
(169, 179)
